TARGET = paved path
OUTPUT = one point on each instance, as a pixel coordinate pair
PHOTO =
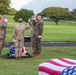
(45, 44)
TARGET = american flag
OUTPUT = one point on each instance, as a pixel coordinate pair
(56, 66)
(69, 71)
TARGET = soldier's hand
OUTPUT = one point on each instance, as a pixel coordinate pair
(39, 36)
(14, 40)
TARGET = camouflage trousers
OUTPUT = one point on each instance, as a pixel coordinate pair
(18, 48)
(1, 45)
(36, 45)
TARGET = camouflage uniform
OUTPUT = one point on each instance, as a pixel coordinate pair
(18, 36)
(2, 33)
(36, 31)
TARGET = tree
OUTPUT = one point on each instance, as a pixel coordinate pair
(4, 6)
(23, 13)
(57, 13)
(12, 11)
(74, 12)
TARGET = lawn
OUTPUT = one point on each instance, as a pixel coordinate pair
(64, 31)
(29, 66)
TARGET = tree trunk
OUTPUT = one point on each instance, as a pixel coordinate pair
(56, 21)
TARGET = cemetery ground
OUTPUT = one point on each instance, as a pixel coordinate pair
(64, 32)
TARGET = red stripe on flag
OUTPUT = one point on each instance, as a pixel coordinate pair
(56, 63)
(66, 61)
(48, 70)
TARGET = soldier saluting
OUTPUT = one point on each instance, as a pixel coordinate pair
(36, 34)
(3, 25)
(18, 37)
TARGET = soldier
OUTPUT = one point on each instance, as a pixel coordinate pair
(18, 37)
(2, 33)
(36, 34)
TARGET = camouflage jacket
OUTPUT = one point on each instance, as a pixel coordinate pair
(37, 28)
(18, 33)
(2, 30)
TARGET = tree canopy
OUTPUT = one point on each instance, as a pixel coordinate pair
(74, 12)
(23, 13)
(12, 11)
(57, 13)
(4, 6)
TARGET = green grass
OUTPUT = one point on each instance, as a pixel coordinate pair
(64, 31)
(29, 66)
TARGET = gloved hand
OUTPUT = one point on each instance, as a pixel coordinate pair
(39, 36)
(29, 20)
(14, 40)
(6, 20)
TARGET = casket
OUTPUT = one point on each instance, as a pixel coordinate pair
(55, 66)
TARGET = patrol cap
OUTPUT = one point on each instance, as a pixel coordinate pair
(20, 19)
(39, 14)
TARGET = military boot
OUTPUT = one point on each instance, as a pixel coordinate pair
(33, 55)
(18, 58)
(0, 55)
(37, 56)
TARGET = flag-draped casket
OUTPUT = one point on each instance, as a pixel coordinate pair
(55, 66)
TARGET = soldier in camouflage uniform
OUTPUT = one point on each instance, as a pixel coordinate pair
(36, 34)
(2, 33)
(18, 37)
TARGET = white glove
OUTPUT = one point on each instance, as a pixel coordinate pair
(6, 20)
(39, 36)
(25, 23)
(14, 40)
(29, 20)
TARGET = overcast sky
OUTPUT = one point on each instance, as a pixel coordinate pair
(38, 5)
